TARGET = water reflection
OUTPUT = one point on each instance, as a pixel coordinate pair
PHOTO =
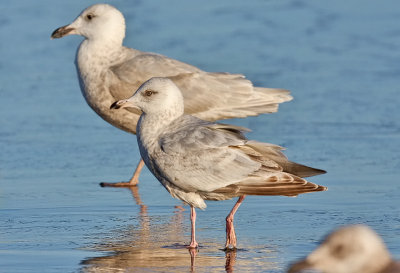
(230, 261)
(153, 246)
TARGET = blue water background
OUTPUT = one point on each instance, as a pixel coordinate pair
(340, 59)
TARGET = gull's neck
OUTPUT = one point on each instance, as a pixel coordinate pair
(93, 60)
(151, 126)
(98, 53)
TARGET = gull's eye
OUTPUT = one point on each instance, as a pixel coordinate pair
(89, 16)
(148, 93)
(339, 251)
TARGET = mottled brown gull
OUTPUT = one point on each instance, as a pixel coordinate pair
(197, 160)
(109, 71)
(350, 249)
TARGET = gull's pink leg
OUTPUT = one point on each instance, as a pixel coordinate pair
(230, 230)
(135, 178)
(132, 182)
(193, 243)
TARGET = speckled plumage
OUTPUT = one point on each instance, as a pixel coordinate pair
(350, 249)
(198, 160)
(108, 71)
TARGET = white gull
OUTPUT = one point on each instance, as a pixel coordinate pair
(350, 249)
(197, 160)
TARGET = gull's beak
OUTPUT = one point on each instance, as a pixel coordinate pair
(63, 31)
(125, 103)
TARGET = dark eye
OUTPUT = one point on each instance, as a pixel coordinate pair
(339, 251)
(148, 93)
(89, 16)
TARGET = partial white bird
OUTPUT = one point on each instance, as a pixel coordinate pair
(351, 249)
(197, 160)
(109, 71)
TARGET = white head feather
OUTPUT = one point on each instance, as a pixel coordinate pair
(100, 22)
(157, 96)
(352, 249)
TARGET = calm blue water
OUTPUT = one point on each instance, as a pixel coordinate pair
(341, 61)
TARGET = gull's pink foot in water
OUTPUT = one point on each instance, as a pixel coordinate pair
(193, 254)
(132, 183)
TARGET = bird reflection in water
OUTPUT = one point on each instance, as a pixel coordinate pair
(150, 246)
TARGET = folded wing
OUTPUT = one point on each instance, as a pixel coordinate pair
(210, 96)
(218, 162)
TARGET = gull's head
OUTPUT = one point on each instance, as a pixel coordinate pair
(352, 249)
(156, 96)
(97, 22)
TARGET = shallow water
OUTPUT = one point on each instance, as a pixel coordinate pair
(340, 60)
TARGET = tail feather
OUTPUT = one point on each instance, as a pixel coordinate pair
(217, 96)
(274, 184)
(287, 190)
(273, 152)
(301, 170)
(262, 100)
(279, 95)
